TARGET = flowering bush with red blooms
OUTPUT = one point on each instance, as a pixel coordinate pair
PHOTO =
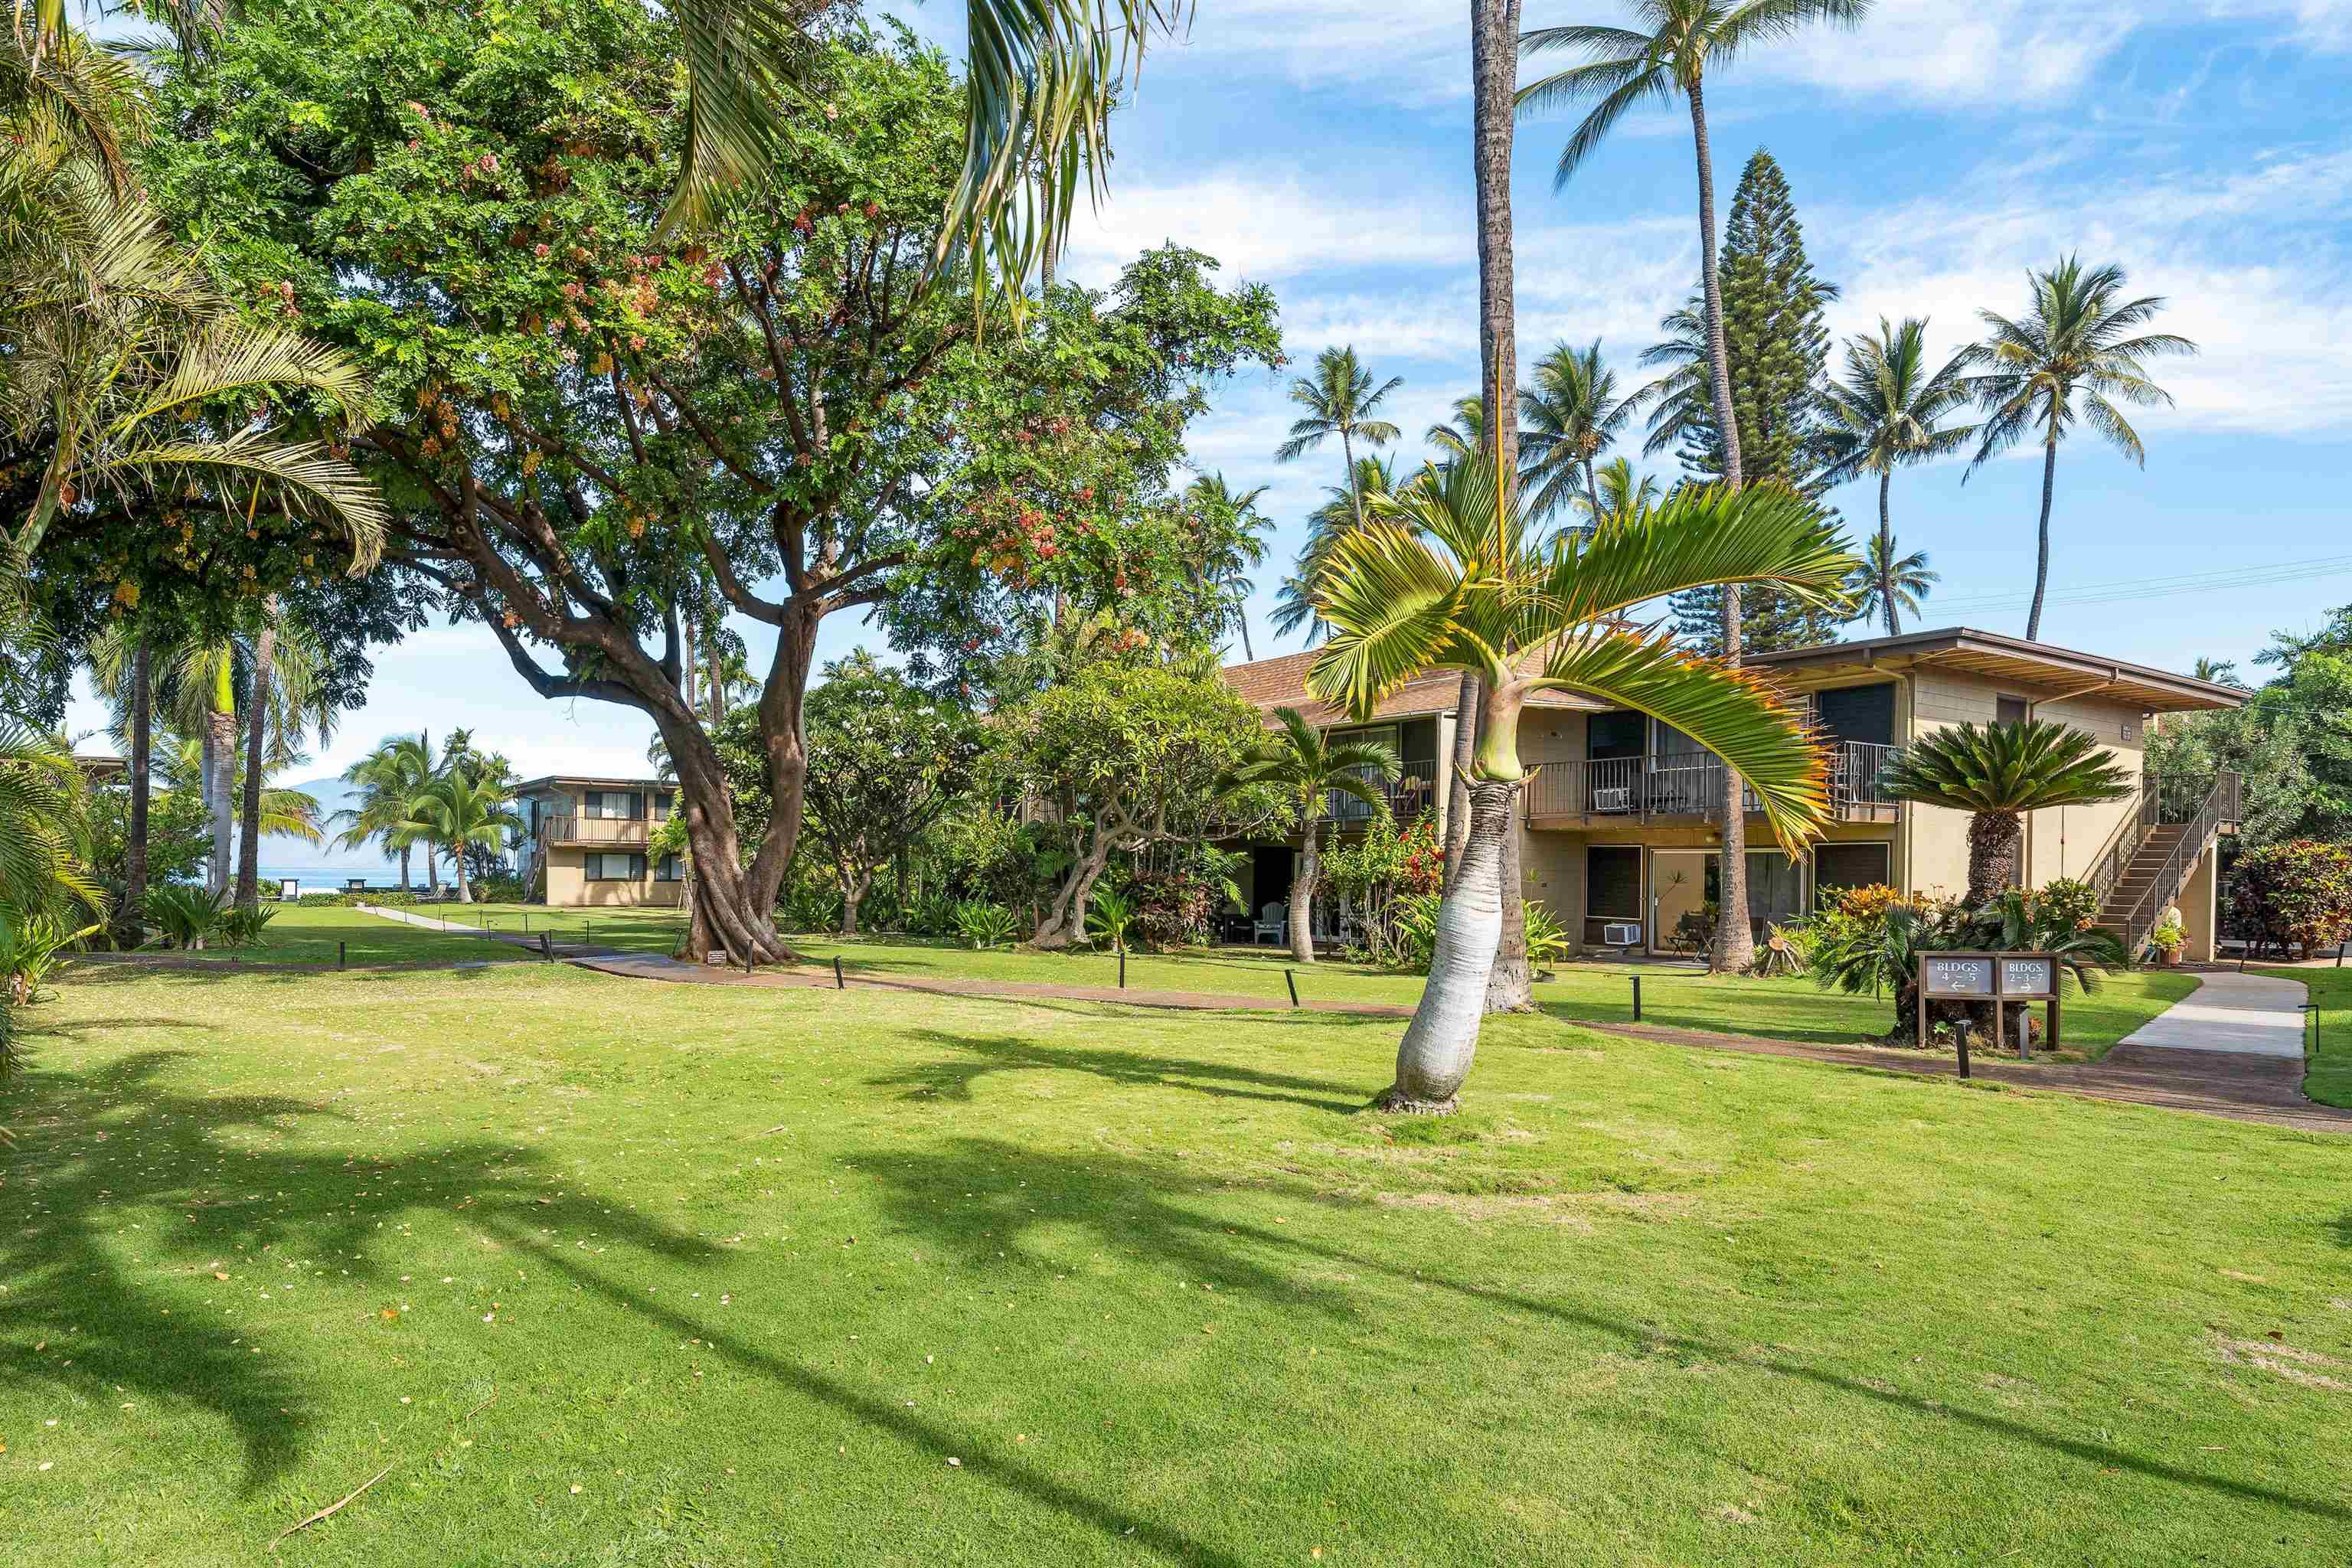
(2063, 904)
(1421, 867)
(2299, 891)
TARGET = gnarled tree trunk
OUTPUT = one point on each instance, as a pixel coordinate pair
(1434, 1057)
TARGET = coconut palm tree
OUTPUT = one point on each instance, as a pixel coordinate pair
(1886, 584)
(1668, 51)
(2077, 354)
(1464, 434)
(1340, 400)
(1309, 768)
(1998, 773)
(123, 670)
(1229, 528)
(1447, 577)
(1295, 604)
(1885, 412)
(1570, 416)
(283, 698)
(459, 808)
(1617, 498)
(398, 771)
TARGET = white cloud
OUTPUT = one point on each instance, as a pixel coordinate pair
(1265, 224)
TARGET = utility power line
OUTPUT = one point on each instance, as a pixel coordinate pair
(2252, 576)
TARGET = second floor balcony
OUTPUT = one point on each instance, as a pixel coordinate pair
(1411, 793)
(614, 830)
(1687, 787)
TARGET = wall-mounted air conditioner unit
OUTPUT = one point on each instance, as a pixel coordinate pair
(1613, 797)
(1622, 933)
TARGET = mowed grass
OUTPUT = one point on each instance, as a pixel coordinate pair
(592, 1270)
(2328, 1075)
(298, 935)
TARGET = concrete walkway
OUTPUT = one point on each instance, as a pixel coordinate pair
(2243, 1014)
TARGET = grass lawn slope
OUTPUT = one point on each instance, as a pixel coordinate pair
(590, 1270)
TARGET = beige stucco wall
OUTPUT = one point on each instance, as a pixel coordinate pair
(2200, 909)
(568, 885)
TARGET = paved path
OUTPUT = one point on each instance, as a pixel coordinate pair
(2244, 1014)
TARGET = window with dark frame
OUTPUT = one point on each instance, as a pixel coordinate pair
(667, 869)
(613, 865)
(1851, 866)
(2008, 710)
(1612, 883)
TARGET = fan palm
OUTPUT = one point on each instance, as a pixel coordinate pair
(1884, 412)
(1567, 419)
(1228, 527)
(1340, 400)
(1886, 583)
(1668, 51)
(1309, 767)
(460, 808)
(1998, 773)
(1445, 578)
(2077, 353)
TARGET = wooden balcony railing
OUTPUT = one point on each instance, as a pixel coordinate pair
(1687, 786)
(1411, 793)
(629, 830)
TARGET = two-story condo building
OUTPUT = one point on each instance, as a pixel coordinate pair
(1621, 824)
(584, 841)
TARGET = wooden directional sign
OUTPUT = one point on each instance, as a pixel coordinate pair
(1998, 977)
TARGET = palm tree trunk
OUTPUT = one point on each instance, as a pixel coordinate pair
(465, 894)
(1735, 949)
(1593, 491)
(143, 759)
(1457, 791)
(1494, 77)
(220, 731)
(257, 724)
(1302, 894)
(1886, 557)
(1993, 841)
(1434, 1058)
(404, 867)
(1355, 489)
(432, 866)
(1241, 614)
(2041, 559)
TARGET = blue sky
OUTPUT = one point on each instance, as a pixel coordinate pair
(1322, 148)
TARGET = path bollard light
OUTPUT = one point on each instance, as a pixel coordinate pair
(1961, 1038)
(1637, 998)
(839, 981)
(339, 955)
(546, 948)
(746, 961)
(2311, 1008)
(1122, 969)
(1291, 980)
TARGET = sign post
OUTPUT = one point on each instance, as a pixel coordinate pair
(1998, 978)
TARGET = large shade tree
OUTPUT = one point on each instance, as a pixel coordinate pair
(588, 426)
(1668, 53)
(1448, 577)
(2079, 355)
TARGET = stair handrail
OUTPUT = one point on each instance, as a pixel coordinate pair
(2220, 804)
(2115, 856)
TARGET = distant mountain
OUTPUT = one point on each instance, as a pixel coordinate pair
(332, 796)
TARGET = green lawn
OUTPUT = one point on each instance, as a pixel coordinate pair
(2329, 1076)
(298, 935)
(611, 1272)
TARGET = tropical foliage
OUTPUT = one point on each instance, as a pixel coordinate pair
(1447, 576)
(2297, 892)
(1309, 768)
(1997, 773)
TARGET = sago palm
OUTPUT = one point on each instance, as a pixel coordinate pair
(1341, 400)
(1888, 584)
(1668, 52)
(1309, 768)
(2078, 352)
(1445, 578)
(1885, 412)
(1998, 773)
(1569, 416)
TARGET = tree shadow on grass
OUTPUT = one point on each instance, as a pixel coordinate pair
(1009, 1053)
(118, 1146)
(1012, 1198)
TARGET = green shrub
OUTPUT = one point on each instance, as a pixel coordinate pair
(2065, 903)
(30, 946)
(189, 916)
(1108, 916)
(2299, 891)
(243, 927)
(1547, 942)
(984, 925)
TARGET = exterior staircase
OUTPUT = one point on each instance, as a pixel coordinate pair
(2150, 859)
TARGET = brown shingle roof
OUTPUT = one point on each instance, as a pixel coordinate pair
(1282, 683)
